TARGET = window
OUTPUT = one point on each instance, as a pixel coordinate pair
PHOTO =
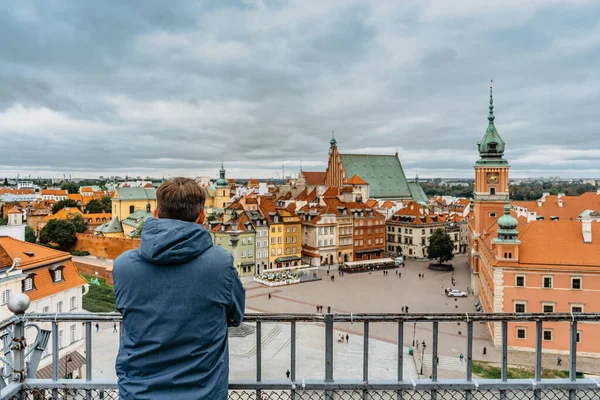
(293, 229)
(265, 243)
(273, 229)
(294, 250)
(521, 333)
(422, 231)
(356, 242)
(520, 281)
(59, 306)
(279, 240)
(243, 253)
(279, 251)
(72, 333)
(46, 310)
(576, 307)
(73, 303)
(368, 231)
(57, 275)
(278, 229)
(548, 334)
(578, 336)
(258, 244)
(5, 296)
(331, 230)
(492, 191)
(575, 282)
(287, 240)
(331, 242)
(492, 215)
(520, 307)
(272, 252)
(293, 239)
(250, 240)
(287, 251)
(243, 241)
(131, 209)
(547, 282)
(320, 243)
(548, 307)
(60, 337)
(369, 241)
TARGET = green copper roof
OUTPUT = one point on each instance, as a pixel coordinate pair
(417, 192)
(507, 225)
(129, 193)
(222, 181)
(113, 226)
(383, 173)
(491, 147)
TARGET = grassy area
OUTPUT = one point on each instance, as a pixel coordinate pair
(100, 298)
(490, 371)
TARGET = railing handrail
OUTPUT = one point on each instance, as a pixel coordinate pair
(337, 317)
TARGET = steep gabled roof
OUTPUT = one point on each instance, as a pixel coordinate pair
(314, 177)
(383, 173)
(356, 180)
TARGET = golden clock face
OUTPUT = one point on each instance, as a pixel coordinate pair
(492, 177)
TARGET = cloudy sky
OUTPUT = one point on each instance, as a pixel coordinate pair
(94, 88)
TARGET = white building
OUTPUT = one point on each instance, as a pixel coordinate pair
(54, 285)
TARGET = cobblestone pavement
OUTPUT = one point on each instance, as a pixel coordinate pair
(378, 293)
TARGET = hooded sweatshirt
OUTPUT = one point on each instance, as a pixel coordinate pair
(177, 294)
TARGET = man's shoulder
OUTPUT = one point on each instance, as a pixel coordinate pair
(125, 259)
(217, 256)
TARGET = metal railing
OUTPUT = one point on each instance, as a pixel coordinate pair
(21, 361)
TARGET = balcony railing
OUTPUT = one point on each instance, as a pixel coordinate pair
(21, 361)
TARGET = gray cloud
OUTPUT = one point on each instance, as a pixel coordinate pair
(142, 87)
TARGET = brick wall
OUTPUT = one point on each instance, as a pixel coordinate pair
(103, 272)
(105, 247)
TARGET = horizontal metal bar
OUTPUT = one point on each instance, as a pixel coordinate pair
(252, 317)
(341, 384)
(10, 390)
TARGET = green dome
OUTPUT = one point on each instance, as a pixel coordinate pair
(222, 181)
(491, 147)
(507, 221)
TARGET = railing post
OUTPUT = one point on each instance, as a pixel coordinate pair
(573, 358)
(258, 357)
(469, 355)
(400, 357)
(18, 304)
(504, 366)
(538, 356)
(434, 356)
(88, 357)
(293, 358)
(328, 353)
(365, 357)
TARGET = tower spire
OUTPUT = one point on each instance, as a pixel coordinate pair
(491, 116)
(332, 142)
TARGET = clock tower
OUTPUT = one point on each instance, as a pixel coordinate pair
(491, 177)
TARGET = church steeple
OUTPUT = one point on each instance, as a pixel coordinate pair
(507, 225)
(222, 181)
(491, 147)
(332, 142)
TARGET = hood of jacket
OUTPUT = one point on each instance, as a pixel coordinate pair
(173, 242)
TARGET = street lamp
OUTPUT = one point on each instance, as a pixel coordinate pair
(422, 356)
(234, 237)
(414, 331)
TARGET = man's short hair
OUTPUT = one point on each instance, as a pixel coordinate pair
(180, 198)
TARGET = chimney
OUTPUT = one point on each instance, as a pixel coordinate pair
(560, 195)
(532, 216)
(544, 195)
(539, 202)
(598, 192)
(560, 202)
(586, 230)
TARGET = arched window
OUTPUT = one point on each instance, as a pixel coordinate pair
(131, 209)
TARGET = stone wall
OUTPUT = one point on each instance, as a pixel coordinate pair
(105, 247)
(90, 269)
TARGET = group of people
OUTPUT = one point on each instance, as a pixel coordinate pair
(421, 276)
(405, 309)
(114, 327)
(320, 309)
(341, 338)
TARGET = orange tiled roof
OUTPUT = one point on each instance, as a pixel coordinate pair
(63, 213)
(107, 217)
(5, 259)
(565, 207)
(87, 189)
(331, 192)
(40, 255)
(372, 203)
(314, 177)
(356, 180)
(302, 195)
(45, 286)
(14, 210)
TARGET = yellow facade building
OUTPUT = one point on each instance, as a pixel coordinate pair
(128, 200)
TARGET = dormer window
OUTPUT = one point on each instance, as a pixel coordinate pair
(57, 273)
(28, 283)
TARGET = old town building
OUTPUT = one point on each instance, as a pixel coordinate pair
(523, 264)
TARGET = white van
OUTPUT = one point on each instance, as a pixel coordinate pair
(398, 261)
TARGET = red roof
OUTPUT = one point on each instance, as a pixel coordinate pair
(356, 180)
(314, 178)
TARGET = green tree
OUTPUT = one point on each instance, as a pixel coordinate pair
(106, 204)
(211, 217)
(30, 235)
(94, 207)
(64, 203)
(138, 232)
(3, 221)
(440, 246)
(70, 186)
(59, 231)
(78, 222)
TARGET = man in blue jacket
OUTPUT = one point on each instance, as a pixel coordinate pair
(178, 294)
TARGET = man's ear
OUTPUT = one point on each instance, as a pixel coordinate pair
(155, 213)
(201, 217)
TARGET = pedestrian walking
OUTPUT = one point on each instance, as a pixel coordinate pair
(406, 308)
(287, 374)
(327, 272)
(328, 309)
(347, 337)
(422, 276)
(400, 274)
(417, 345)
(402, 308)
(461, 357)
(419, 276)
(396, 272)
(317, 308)
(114, 327)
(269, 296)
(484, 350)
(558, 361)
(97, 327)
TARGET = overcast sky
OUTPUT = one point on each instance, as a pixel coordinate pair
(94, 88)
